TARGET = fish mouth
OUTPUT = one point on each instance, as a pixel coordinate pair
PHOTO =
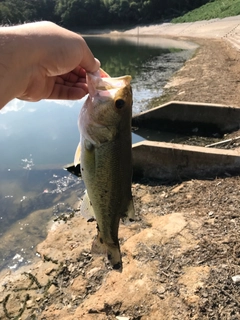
(101, 84)
(113, 83)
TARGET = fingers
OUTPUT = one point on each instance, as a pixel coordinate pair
(75, 76)
(72, 53)
(64, 92)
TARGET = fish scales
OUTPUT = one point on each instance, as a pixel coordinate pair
(106, 162)
(107, 193)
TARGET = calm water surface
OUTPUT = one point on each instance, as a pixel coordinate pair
(38, 139)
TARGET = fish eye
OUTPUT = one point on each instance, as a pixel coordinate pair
(119, 103)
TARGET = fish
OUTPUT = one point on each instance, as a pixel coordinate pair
(105, 155)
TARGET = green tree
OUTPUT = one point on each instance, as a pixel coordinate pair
(11, 12)
(19, 11)
(92, 13)
(76, 13)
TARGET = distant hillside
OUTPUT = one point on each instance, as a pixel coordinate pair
(95, 13)
(211, 10)
(118, 13)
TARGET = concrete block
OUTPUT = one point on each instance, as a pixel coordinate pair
(169, 161)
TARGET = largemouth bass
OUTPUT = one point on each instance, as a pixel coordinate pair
(106, 159)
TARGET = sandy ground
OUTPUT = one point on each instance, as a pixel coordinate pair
(181, 255)
(228, 28)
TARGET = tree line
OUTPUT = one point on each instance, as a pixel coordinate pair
(94, 13)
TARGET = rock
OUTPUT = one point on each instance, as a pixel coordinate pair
(178, 188)
(147, 198)
(52, 289)
(236, 279)
(30, 304)
(210, 213)
(93, 271)
(49, 271)
(79, 285)
(161, 290)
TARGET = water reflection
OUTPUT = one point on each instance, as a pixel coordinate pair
(150, 62)
(49, 134)
(28, 201)
(38, 139)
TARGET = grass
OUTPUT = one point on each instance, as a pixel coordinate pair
(211, 10)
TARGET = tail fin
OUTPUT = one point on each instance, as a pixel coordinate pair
(112, 251)
(114, 256)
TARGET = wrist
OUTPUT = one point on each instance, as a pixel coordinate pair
(16, 61)
(7, 56)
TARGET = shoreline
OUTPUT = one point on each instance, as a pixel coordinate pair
(211, 29)
(226, 29)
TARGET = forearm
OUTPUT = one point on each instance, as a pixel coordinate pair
(8, 51)
(5, 94)
(15, 61)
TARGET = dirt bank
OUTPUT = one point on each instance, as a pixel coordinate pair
(211, 76)
(178, 258)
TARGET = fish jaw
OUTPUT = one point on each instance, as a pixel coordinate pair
(103, 85)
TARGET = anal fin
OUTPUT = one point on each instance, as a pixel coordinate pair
(98, 247)
(87, 208)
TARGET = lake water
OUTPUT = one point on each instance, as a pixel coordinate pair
(38, 139)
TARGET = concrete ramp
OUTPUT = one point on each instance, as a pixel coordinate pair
(171, 161)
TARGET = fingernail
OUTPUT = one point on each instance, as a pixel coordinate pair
(98, 64)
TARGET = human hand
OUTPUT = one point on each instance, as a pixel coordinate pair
(43, 61)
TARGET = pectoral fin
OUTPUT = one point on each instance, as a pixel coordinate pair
(77, 155)
(74, 169)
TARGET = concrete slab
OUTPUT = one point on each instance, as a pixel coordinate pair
(189, 116)
(169, 161)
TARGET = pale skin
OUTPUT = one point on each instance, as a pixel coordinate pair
(43, 61)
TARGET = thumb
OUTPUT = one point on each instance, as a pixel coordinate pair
(89, 62)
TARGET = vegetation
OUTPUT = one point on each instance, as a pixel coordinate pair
(94, 13)
(211, 10)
